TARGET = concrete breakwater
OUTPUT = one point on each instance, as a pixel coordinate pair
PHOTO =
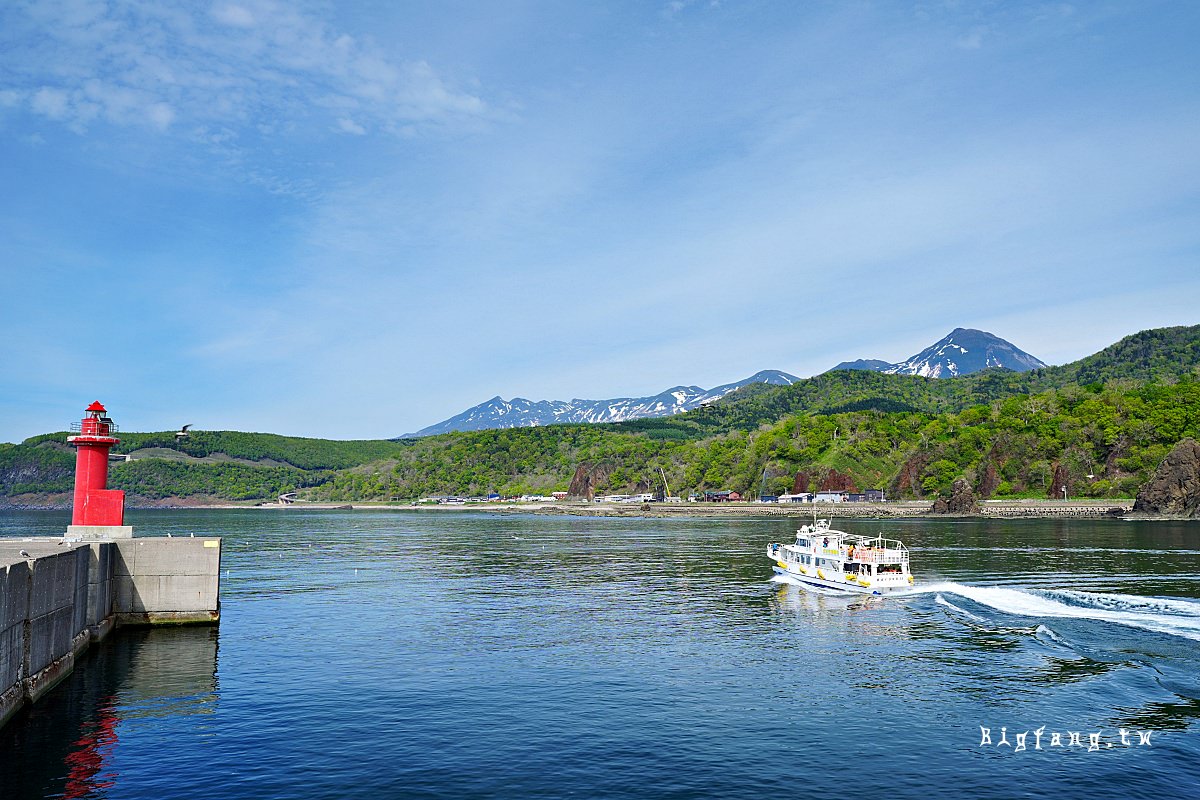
(57, 597)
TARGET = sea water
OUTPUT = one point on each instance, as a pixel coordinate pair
(382, 654)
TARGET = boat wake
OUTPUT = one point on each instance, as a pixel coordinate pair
(1173, 616)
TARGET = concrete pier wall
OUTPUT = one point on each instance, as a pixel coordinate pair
(59, 596)
(14, 613)
(56, 623)
(157, 581)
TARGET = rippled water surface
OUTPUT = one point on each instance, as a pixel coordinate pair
(387, 654)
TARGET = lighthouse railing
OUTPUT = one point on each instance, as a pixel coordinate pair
(94, 429)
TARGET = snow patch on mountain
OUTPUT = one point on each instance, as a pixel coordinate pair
(520, 413)
(963, 351)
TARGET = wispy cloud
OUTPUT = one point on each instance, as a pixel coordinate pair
(146, 64)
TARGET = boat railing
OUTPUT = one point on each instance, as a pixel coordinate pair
(876, 555)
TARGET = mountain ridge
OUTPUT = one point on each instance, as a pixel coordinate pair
(520, 412)
(961, 352)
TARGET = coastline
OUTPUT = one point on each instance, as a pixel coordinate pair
(988, 509)
(1009, 509)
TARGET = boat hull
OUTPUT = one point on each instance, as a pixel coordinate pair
(842, 587)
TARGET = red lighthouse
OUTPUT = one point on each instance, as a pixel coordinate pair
(95, 503)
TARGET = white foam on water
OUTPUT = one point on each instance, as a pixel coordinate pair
(1044, 630)
(1177, 617)
(960, 610)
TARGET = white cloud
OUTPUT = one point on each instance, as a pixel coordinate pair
(350, 126)
(261, 62)
(233, 15)
(52, 103)
(973, 40)
(160, 115)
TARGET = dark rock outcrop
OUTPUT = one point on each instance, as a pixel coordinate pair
(1175, 488)
(834, 481)
(587, 477)
(989, 480)
(962, 500)
(1058, 483)
(801, 483)
(908, 481)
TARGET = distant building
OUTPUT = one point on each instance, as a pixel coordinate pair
(799, 497)
(559, 495)
(856, 497)
(768, 498)
(723, 496)
(830, 497)
(874, 495)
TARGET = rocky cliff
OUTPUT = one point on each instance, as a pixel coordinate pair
(587, 477)
(962, 500)
(1175, 488)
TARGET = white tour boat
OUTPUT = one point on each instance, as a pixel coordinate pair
(843, 562)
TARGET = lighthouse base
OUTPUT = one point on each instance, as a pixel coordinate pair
(93, 532)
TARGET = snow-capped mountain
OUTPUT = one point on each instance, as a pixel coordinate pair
(961, 352)
(522, 413)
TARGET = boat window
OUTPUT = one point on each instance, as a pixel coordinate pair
(889, 568)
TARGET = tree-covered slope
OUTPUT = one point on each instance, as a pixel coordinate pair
(1098, 427)
(295, 451)
(1160, 354)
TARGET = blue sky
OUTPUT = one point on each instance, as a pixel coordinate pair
(352, 220)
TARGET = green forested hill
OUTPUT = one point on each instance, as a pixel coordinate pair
(1160, 354)
(285, 450)
(1111, 416)
(1009, 447)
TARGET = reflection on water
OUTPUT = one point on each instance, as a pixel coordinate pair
(86, 762)
(467, 655)
(64, 744)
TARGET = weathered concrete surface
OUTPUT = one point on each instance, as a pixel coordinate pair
(56, 628)
(43, 601)
(14, 609)
(163, 581)
(105, 532)
(57, 596)
(100, 589)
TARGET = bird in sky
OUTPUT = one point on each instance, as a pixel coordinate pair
(182, 433)
(25, 554)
